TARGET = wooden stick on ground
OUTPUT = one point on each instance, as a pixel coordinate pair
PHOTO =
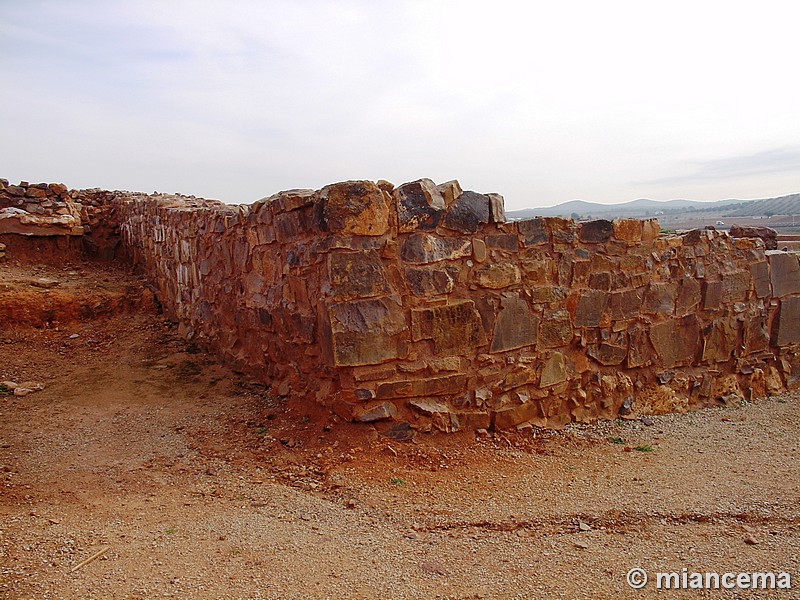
(94, 556)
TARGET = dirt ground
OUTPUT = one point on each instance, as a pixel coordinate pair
(198, 484)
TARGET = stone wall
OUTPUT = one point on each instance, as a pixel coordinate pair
(420, 303)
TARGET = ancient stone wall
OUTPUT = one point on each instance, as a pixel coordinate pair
(420, 303)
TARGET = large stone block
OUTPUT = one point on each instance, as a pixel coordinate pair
(675, 341)
(555, 329)
(467, 213)
(356, 275)
(768, 235)
(712, 295)
(589, 309)
(554, 370)
(760, 274)
(626, 304)
(533, 231)
(719, 341)
(431, 281)
(595, 232)
(689, 296)
(660, 299)
(608, 354)
(454, 328)
(354, 207)
(497, 275)
(511, 416)
(421, 248)
(784, 272)
(628, 230)
(432, 386)
(786, 327)
(735, 286)
(366, 332)
(420, 205)
(516, 326)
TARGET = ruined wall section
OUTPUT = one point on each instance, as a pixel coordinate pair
(420, 303)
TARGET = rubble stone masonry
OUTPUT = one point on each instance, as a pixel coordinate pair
(421, 303)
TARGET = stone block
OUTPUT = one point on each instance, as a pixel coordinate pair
(735, 286)
(505, 242)
(689, 296)
(356, 275)
(640, 351)
(555, 329)
(516, 326)
(454, 328)
(719, 340)
(354, 207)
(712, 295)
(626, 304)
(760, 273)
(784, 273)
(660, 299)
(607, 354)
(497, 208)
(450, 191)
(676, 340)
(421, 248)
(628, 230)
(533, 232)
(554, 370)
(786, 327)
(590, 307)
(767, 235)
(376, 411)
(479, 250)
(431, 386)
(420, 205)
(431, 281)
(497, 275)
(467, 213)
(365, 332)
(511, 416)
(595, 232)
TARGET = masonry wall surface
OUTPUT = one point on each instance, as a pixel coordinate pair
(420, 303)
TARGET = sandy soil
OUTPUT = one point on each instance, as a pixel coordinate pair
(201, 485)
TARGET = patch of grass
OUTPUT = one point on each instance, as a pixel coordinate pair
(4, 391)
(644, 448)
(170, 530)
(261, 430)
(397, 481)
(615, 439)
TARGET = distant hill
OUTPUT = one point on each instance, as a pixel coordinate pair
(644, 208)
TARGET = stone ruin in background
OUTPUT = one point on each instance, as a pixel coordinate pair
(420, 303)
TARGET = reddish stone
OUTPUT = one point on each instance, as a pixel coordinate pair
(506, 242)
(676, 340)
(626, 304)
(607, 354)
(735, 286)
(769, 236)
(431, 281)
(497, 275)
(689, 296)
(555, 329)
(760, 274)
(420, 205)
(589, 310)
(784, 272)
(354, 207)
(516, 325)
(454, 328)
(533, 231)
(356, 275)
(660, 298)
(595, 232)
(786, 327)
(421, 248)
(365, 332)
(467, 213)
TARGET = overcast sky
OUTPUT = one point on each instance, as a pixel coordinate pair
(543, 102)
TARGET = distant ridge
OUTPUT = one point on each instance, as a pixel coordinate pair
(789, 204)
